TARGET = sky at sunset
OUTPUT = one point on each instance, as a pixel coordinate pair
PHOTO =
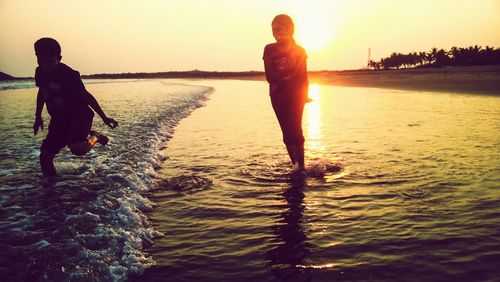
(117, 36)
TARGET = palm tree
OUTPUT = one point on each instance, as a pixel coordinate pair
(431, 56)
(473, 55)
(421, 58)
(455, 55)
(442, 58)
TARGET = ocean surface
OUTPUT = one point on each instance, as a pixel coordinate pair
(195, 185)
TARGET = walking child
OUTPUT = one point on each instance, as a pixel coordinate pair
(69, 105)
(286, 71)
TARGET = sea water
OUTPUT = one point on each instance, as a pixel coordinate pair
(89, 224)
(400, 186)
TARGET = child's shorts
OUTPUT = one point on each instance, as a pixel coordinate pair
(65, 132)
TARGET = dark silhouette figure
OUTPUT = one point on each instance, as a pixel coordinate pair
(286, 72)
(68, 102)
(287, 258)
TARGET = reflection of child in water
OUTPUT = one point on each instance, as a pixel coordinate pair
(286, 72)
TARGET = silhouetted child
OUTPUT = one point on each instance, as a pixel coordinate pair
(286, 72)
(67, 100)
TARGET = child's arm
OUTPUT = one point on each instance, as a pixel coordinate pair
(40, 100)
(92, 102)
(267, 70)
(299, 69)
(271, 75)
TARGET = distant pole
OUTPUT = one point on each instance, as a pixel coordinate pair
(369, 57)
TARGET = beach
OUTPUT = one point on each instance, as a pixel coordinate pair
(195, 185)
(173, 165)
(467, 80)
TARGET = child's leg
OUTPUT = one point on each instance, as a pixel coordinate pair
(299, 154)
(283, 116)
(290, 119)
(82, 148)
(296, 153)
(298, 135)
(47, 164)
(82, 138)
(291, 153)
(55, 140)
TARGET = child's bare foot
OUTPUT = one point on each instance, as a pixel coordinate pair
(102, 139)
(298, 171)
(297, 168)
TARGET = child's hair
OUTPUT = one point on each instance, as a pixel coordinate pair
(47, 47)
(284, 20)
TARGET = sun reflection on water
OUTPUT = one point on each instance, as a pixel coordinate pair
(314, 125)
(319, 266)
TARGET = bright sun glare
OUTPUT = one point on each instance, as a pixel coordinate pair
(314, 31)
(313, 108)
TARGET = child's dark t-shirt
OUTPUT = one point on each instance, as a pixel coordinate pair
(286, 70)
(63, 92)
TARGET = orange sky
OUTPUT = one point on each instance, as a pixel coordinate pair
(229, 35)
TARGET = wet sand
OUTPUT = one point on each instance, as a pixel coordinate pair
(470, 80)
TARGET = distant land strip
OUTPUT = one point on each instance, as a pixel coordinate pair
(451, 79)
(175, 74)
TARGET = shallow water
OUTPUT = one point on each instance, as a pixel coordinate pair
(402, 186)
(90, 224)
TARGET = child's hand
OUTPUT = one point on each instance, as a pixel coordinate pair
(110, 122)
(38, 124)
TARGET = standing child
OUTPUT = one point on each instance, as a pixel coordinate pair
(67, 100)
(286, 72)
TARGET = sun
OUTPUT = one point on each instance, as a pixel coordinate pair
(314, 31)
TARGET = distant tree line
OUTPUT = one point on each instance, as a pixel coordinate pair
(175, 74)
(470, 56)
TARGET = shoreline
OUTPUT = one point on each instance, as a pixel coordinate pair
(467, 80)
(484, 80)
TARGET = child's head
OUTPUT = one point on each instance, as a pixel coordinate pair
(282, 28)
(48, 54)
